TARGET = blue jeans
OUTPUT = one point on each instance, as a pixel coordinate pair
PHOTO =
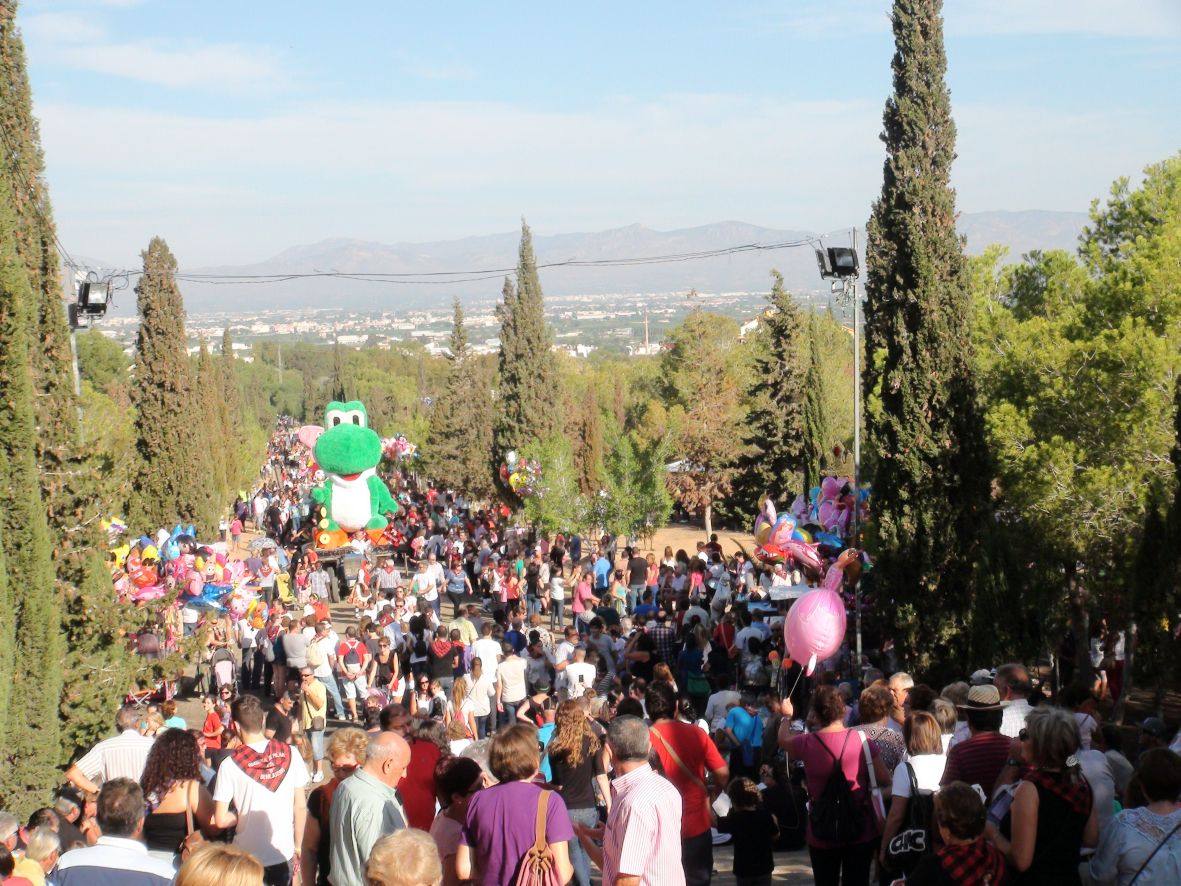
(482, 726)
(557, 613)
(508, 716)
(334, 691)
(532, 604)
(578, 856)
(635, 593)
(317, 738)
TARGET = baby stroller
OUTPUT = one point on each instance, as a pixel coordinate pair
(223, 670)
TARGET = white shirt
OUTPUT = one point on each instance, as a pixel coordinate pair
(511, 672)
(328, 646)
(425, 586)
(480, 695)
(266, 818)
(580, 678)
(1013, 719)
(715, 707)
(557, 588)
(487, 650)
(123, 756)
(928, 770)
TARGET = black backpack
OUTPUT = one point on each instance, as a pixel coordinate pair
(913, 840)
(836, 815)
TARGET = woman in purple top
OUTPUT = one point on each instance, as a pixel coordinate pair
(501, 824)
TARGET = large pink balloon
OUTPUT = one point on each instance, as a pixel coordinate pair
(830, 487)
(815, 625)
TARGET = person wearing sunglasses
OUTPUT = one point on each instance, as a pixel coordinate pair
(346, 750)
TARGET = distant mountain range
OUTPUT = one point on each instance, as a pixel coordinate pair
(1020, 232)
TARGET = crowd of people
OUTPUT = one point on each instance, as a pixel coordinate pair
(494, 706)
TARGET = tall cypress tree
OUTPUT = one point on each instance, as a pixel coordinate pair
(230, 414)
(588, 448)
(34, 668)
(529, 387)
(338, 372)
(816, 426)
(172, 483)
(931, 484)
(775, 428)
(208, 395)
(459, 438)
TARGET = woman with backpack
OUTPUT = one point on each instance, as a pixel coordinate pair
(841, 770)
(907, 836)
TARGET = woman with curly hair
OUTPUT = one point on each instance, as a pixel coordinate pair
(875, 706)
(577, 760)
(175, 799)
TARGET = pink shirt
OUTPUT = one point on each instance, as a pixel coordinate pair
(643, 833)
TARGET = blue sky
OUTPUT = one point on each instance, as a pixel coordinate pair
(238, 129)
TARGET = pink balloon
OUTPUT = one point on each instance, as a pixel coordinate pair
(309, 434)
(804, 554)
(815, 625)
(827, 513)
(830, 487)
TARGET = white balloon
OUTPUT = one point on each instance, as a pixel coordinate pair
(510, 457)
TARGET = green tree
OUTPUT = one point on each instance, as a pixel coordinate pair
(635, 499)
(557, 507)
(238, 469)
(30, 640)
(925, 436)
(775, 423)
(529, 391)
(171, 484)
(339, 391)
(704, 382)
(208, 397)
(589, 444)
(458, 450)
(817, 435)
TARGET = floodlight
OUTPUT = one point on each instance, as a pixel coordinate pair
(843, 261)
(822, 264)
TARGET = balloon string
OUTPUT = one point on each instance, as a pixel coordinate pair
(799, 677)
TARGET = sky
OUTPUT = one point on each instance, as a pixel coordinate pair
(236, 130)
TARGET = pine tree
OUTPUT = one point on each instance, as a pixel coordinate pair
(208, 397)
(588, 446)
(774, 425)
(230, 414)
(338, 372)
(459, 438)
(34, 670)
(931, 485)
(529, 388)
(171, 484)
(816, 425)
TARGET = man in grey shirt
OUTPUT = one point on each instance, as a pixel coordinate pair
(295, 646)
(365, 808)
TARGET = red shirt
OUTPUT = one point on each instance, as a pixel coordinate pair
(212, 730)
(699, 754)
(417, 786)
(979, 760)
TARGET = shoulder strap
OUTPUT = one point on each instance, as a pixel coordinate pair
(539, 842)
(678, 761)
(1159, 846)
(189, 807)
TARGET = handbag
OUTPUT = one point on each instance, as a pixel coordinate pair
(876, 803)
(711, 816)
(193, 837)
(913, 840)
(538, 867)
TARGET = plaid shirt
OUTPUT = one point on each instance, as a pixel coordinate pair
(978, 863)
(665, 639)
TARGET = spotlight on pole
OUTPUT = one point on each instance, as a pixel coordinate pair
(837, 261)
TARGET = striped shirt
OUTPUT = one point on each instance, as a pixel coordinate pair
(643, 833)
(123, 756)
(113, 861)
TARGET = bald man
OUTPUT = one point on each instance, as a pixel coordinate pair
(366, 808)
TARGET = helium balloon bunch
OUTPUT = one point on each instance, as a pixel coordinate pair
(779, 538)
(398, 448)
(521, 475)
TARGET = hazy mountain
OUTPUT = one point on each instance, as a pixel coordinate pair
(494, 254)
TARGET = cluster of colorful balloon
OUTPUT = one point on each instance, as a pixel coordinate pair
(521, 475)
(779, 538)
(398, 448)
(831, 507)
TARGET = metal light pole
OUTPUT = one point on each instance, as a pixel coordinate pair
(843, 268)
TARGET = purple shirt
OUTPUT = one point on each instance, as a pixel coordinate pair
(502, 825)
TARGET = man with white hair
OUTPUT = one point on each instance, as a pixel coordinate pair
(642, 837)
(900, 685)
(41, 854)
(123, 756)
(366, 808)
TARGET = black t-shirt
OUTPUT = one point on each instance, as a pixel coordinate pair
(575, 783)
(532, 572)
(644, 668)
(443, 665)
(637, 570)
(753, 831)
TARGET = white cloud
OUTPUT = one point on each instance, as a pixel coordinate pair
(236, 189)
(829, 19)
(80, 41)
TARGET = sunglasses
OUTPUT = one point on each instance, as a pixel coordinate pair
(344, 768)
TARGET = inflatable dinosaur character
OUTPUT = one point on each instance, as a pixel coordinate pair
(352, 496)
